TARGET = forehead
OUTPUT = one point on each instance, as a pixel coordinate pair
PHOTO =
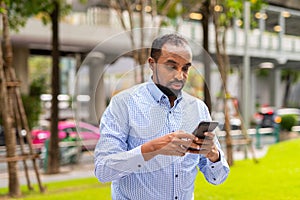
(179, 52)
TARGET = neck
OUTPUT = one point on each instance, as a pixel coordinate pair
(171, 95)
(172, 100)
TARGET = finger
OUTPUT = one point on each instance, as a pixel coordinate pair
(204, 142)
(195, 151)
(183, 135)
(194, 146)
(209, 134)
(191, 148)
(181, 151)
(203, 151)
(186, 144)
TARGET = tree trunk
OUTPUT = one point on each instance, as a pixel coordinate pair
(7, 112)
(223, 65)
(54, 160)
(141, 49)
(287, 90)
(205, 22)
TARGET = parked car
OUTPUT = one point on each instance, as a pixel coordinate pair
(87, 134)
(2, 136)
(267, 117)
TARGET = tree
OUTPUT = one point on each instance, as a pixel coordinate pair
(52, 11)
(54, 160)
(12, 17)
(7, 111)
(223, 17)
(206, 11)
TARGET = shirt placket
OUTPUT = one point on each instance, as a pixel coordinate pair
(176, 178)
(174, 126)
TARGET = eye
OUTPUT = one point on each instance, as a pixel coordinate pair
(171, 67)
(185, 68)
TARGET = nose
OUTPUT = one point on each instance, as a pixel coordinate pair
(179, 75)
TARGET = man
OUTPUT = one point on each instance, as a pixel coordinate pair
(146, 133)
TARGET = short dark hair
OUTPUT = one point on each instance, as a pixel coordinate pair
(172, 38)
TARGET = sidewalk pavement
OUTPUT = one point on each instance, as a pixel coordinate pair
(86, 169)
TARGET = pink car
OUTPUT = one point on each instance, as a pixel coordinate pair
(87, 134)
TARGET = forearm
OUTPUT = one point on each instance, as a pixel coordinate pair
(148, 151)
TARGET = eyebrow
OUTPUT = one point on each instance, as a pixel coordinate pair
(188, 64)
(171, 61)
(174, 62)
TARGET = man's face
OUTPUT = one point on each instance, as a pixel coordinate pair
(171, 69)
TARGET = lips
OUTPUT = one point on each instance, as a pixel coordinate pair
(177, 85)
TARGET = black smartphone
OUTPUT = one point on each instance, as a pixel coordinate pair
(204, 126)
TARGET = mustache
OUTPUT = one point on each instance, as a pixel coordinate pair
(177, 81)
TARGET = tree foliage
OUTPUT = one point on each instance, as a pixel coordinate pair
(19, 11)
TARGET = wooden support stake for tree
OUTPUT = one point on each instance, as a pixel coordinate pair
(21, 142)
(14, 116)
(244, 131)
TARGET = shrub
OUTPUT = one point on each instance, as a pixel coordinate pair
(288, 121)
(33, 109)
(32, 102)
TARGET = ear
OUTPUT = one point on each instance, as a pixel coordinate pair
(151, 63)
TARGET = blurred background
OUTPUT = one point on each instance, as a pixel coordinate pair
(250, 58)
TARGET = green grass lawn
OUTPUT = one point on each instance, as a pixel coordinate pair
(276, 176)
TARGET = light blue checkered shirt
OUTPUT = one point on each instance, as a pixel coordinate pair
(136, 116)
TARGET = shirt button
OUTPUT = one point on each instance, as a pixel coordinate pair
(212, 166)
(139, 165)
(176, 197)
(214, 179)
(170, 112)
(176, 175)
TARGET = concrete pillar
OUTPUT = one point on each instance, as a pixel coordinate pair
(282, 31)
(262, 27)
(20, 63)
(253, 93)
(276, 89)
(246, 67)
(97, 93)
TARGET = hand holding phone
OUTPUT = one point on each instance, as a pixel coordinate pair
(204, 126)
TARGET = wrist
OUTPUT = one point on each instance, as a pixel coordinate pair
(215, 157)
(148, 150)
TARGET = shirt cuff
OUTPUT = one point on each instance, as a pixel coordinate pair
(136, 159)
(219, 164)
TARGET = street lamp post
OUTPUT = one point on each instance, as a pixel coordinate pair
(246, 66)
